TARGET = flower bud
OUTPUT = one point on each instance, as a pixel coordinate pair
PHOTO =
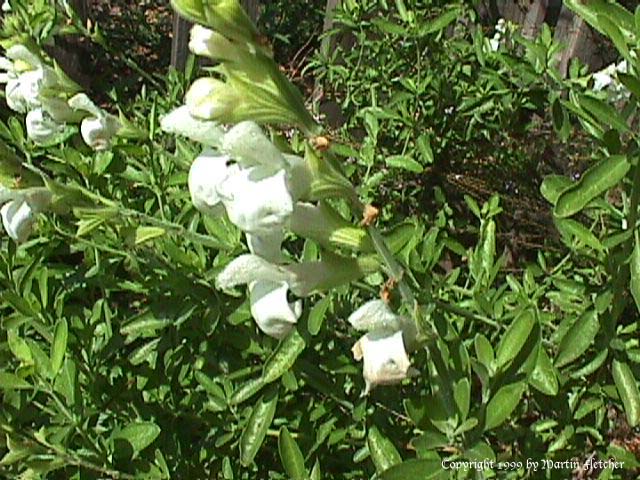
(211, 99)
(208, 43)
(190, 9)
(224, 16)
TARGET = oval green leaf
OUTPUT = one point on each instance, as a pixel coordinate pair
(515, 338)
(422, 469)
(257, 426)
(627, 387)
(139, 435)
(595, 181)
(578, 339)
(284, 357)
(502, 404)
(59, 346)
(543, 378)
(383, 452)
(291, 456)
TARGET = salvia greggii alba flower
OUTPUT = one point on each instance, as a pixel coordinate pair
(98, 127)
(20, 209)
(383, 349)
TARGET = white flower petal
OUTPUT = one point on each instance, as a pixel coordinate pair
(267, 245)
(300, 177)
(271, 310)
(22, 53)
(256, 200)
(248, 145)
(601, 80)
(18, 218)
(97, 132)
(82, 102)
(375, 315)
(207, 172)
(41, 128)
(249, 268)
(181, 122)
(385, 359)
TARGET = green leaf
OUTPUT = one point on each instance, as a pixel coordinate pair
(424, 147)
(140, 435)
(216, 395)
(631, 82)
(284, 357)
(553, 185)
(383, 452)
(404, 162)
(595, 181)
(59, 346)
(502, 404)
(441, 22)
(462, 396)
(543, 378)
(634, 266)
(578, 339)
(144, 234)
(246, 391)
(628, 390)
(603, 112)
(515, 338)
(257, 426)
(9, 381)
(613, 32)
(416, 469)
(291, 456)
(484, 351)
(575, 230)
(19, 347)
(317, 315)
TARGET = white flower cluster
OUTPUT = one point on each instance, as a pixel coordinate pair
(498, 36)
(607, 80)
(259, 189)
(264, 192)
(36, 89)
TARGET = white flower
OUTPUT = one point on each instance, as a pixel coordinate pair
(19, 213)
(207, 172)
(383, 349)
(256, 199)
(181, 122)
(384, 357)
(271, 309)
(26, 78)
(41, 128)
(6, 6)
(18, 219)
(247, 144)
(99, 127)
